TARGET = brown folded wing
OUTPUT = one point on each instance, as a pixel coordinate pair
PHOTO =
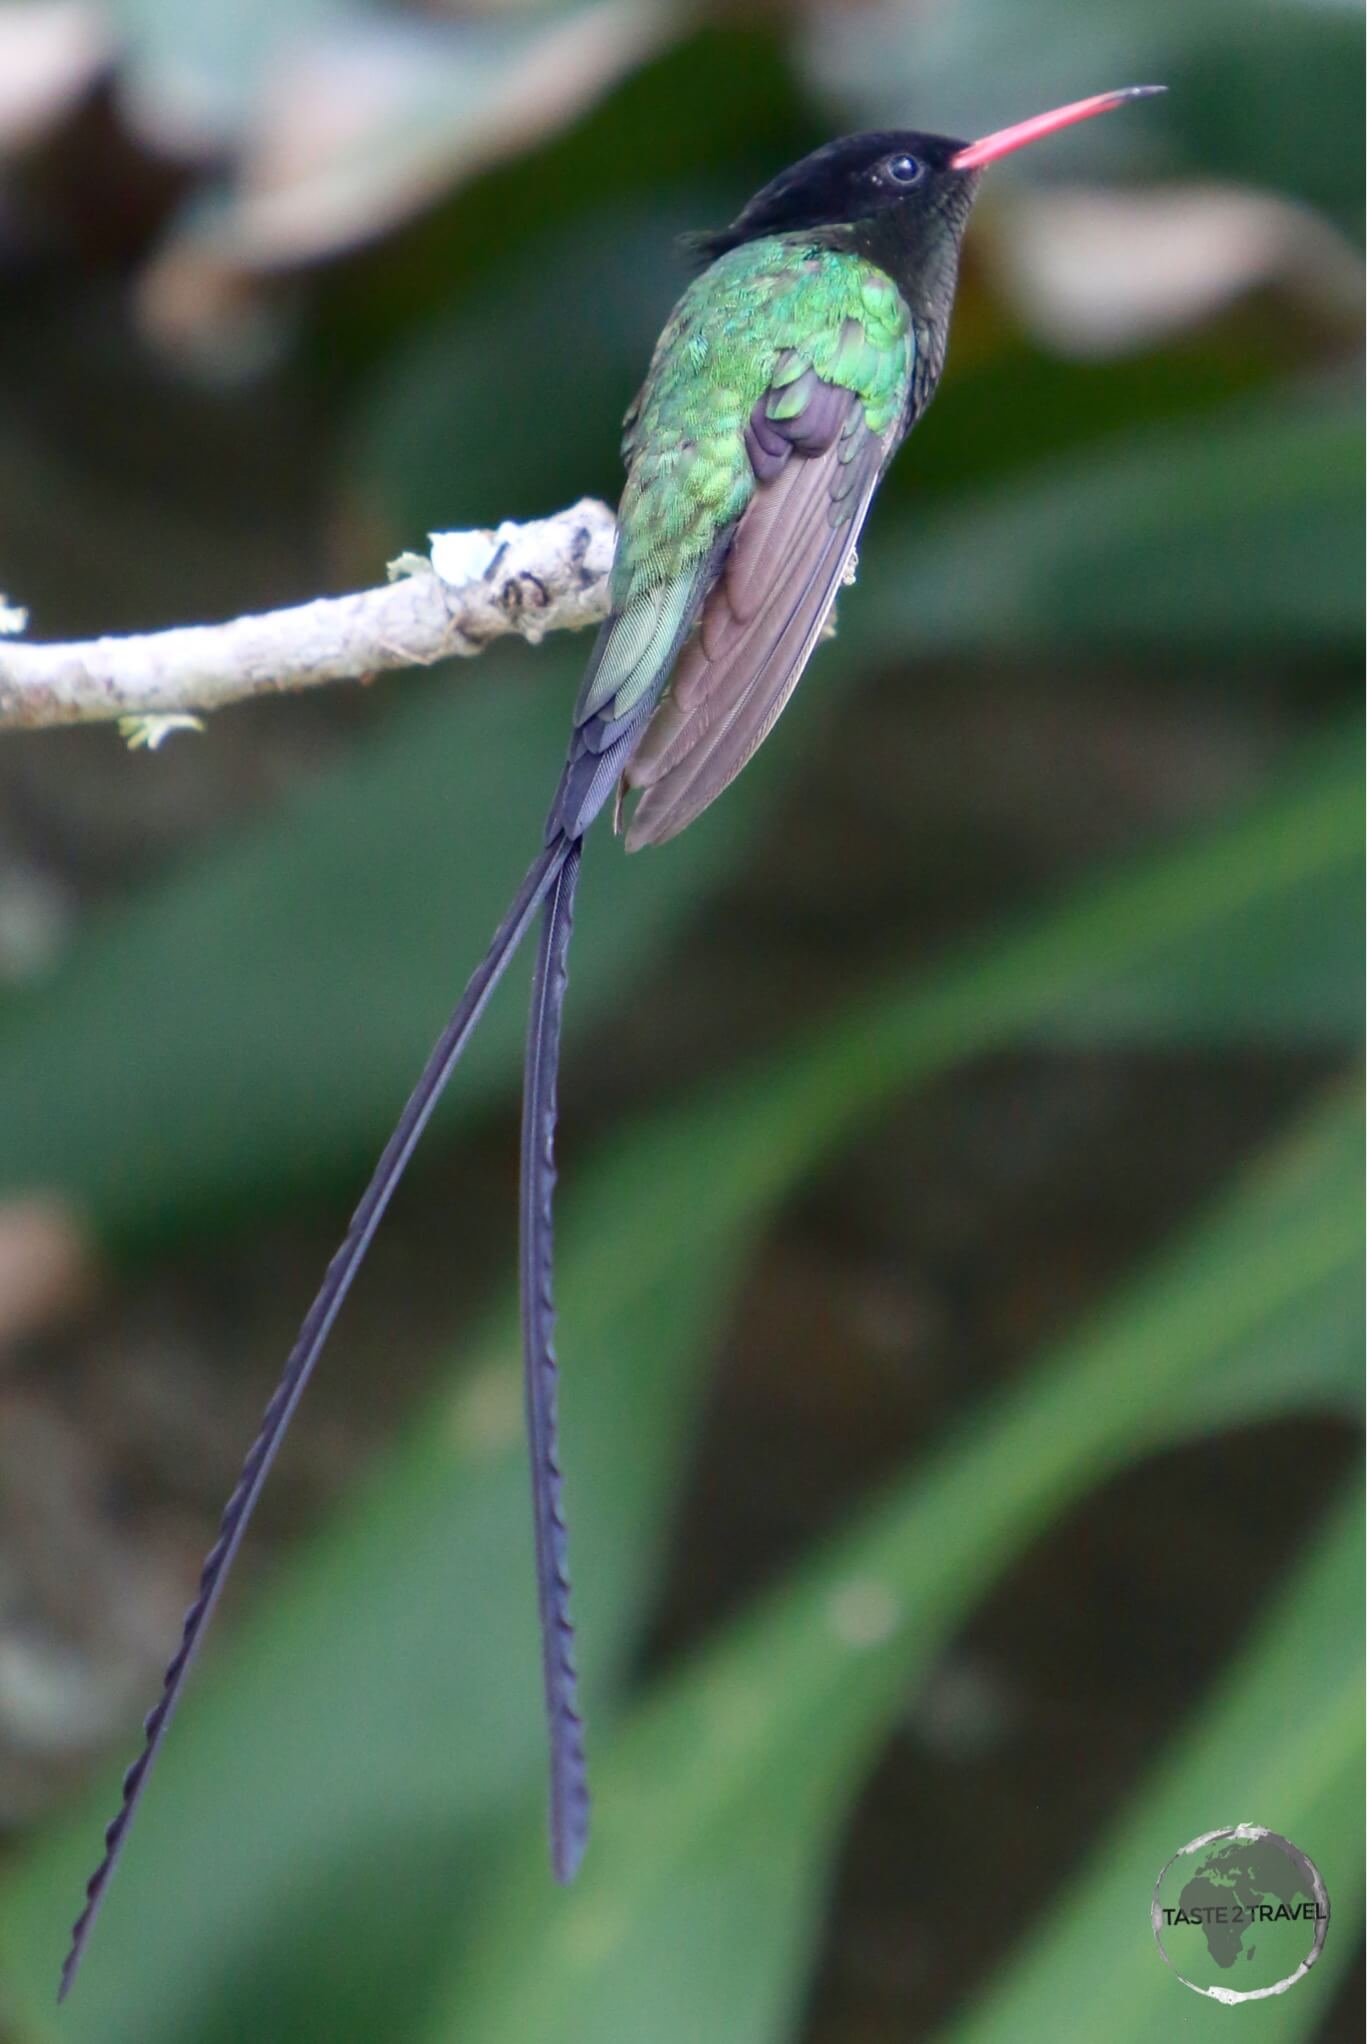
(815, 474)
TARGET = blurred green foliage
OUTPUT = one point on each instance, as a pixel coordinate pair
(308, 1870)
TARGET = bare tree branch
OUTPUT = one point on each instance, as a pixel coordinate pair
(545, 576)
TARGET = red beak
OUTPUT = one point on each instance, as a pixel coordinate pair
(1034, 130)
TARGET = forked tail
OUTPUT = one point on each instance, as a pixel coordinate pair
(541, 879)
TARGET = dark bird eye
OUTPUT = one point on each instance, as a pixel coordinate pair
(904, 170)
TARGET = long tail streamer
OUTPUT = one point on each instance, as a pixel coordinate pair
(569, 1799)
(542, 878)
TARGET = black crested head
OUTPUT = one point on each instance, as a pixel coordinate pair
(846, 182)
(892, 195)
(897, 197)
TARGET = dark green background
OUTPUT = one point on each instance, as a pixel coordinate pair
(961, 1158)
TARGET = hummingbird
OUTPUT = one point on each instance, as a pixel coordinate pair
(786, 378)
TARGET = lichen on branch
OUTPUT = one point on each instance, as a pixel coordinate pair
(546, 575)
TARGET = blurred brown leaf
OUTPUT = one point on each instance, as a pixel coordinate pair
(361, 128)
(47, 1266)
(51, 54)
(1097, 272)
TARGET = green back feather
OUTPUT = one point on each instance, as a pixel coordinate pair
(757, 317)
(755, 320)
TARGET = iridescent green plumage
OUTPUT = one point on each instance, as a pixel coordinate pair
(756, 318)
(754, 322)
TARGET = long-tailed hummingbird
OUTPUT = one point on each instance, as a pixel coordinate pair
(786, 378)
